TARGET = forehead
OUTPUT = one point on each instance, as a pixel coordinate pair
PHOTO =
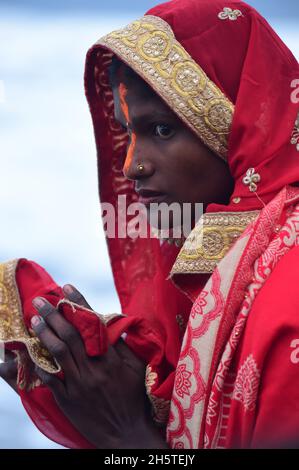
(140, 100)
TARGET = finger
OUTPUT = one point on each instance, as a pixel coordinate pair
(54, 383)
(129, 357)
(75, 296)
(62, 328)
(55, 346)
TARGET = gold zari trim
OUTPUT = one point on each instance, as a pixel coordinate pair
(160, 406)
(149, 47)
(27, 378)
(210, 240)
(12, 326)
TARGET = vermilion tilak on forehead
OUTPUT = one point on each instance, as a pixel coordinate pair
(124, 106)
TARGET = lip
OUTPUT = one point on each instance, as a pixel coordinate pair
(149, 196)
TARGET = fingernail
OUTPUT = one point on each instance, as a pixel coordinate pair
(35, 320)
(38, 302)
(68, 289)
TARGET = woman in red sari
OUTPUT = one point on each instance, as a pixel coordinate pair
(206, 92)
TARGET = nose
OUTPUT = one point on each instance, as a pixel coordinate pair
(137, 165)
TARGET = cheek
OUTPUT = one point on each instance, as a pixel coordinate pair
(185, 162)
(186, 170)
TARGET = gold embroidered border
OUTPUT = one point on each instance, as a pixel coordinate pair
(27, 378)
(12, 326)
(210, 240)
(149, 47)
(160, 406)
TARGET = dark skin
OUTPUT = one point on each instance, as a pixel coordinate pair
(176, 163)
(105, 397)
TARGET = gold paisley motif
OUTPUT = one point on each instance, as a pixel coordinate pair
(210, 240)
(150, 48)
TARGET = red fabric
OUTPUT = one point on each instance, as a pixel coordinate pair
(236, 360)
(252, 66)
(274, 421)
(32, 281)
(241, 57)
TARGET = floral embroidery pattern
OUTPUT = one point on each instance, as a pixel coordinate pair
(189, 420)
(229, 13)
(251, 179)
(182, 382)
(200, 303)
(179, 445)
(247, 382)
(295, 134)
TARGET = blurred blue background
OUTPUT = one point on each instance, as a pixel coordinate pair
(48, 193)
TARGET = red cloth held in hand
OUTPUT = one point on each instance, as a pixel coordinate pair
(32, 281)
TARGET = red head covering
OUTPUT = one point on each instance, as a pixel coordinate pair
(250, 74)
(246, 59)
(248, 62)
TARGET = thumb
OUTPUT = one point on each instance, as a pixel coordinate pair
(75, 296)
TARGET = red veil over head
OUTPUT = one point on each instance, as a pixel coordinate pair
(248, 62)
(254, 127)
(243, 110)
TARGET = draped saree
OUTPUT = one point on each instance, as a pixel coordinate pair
(214, 321)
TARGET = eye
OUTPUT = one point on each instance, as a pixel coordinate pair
(163, 131)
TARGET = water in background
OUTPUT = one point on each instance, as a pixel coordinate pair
(48, 193)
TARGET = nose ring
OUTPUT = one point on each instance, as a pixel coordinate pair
(140, 168)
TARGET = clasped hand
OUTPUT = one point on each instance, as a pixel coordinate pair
(103, 397)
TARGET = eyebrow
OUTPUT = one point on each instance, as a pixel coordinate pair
(154, 116)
